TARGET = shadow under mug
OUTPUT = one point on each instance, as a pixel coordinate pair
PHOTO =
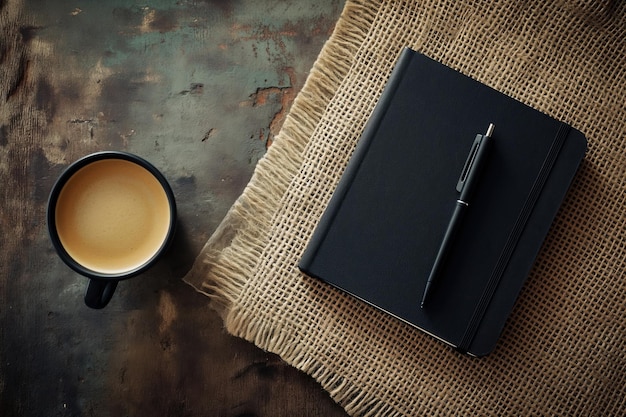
(111, 215)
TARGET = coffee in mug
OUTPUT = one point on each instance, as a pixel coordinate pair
(111, 215)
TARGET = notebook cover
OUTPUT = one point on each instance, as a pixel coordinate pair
(381, 231)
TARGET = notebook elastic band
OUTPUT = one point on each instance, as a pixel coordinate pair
(514, 236)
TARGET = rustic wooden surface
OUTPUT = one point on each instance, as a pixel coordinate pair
(199, 88)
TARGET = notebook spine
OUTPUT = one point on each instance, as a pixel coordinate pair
(369, 132)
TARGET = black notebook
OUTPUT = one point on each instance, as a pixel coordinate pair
(385, 223)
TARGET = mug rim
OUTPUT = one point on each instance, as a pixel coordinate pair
(54, 197)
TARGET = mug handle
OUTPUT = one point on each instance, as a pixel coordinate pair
(99, 293)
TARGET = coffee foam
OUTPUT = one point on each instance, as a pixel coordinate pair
(112, 216)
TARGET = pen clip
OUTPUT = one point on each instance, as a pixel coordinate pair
(469, 162)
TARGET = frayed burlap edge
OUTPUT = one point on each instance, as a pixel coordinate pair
(228, 262)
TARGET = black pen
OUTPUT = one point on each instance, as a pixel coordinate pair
(466, 184)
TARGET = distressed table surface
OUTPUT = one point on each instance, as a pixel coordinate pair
(199, 88)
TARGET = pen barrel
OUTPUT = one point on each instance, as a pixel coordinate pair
(448, 238)
(476, 164)
(477, 167)
(446, 244)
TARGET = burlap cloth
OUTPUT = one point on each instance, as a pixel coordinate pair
(563, 351)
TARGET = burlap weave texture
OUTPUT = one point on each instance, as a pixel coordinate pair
(563, 351)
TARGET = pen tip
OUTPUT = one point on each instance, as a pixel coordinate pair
(490, 129)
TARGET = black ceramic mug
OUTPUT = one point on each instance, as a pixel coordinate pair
(111, 215)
